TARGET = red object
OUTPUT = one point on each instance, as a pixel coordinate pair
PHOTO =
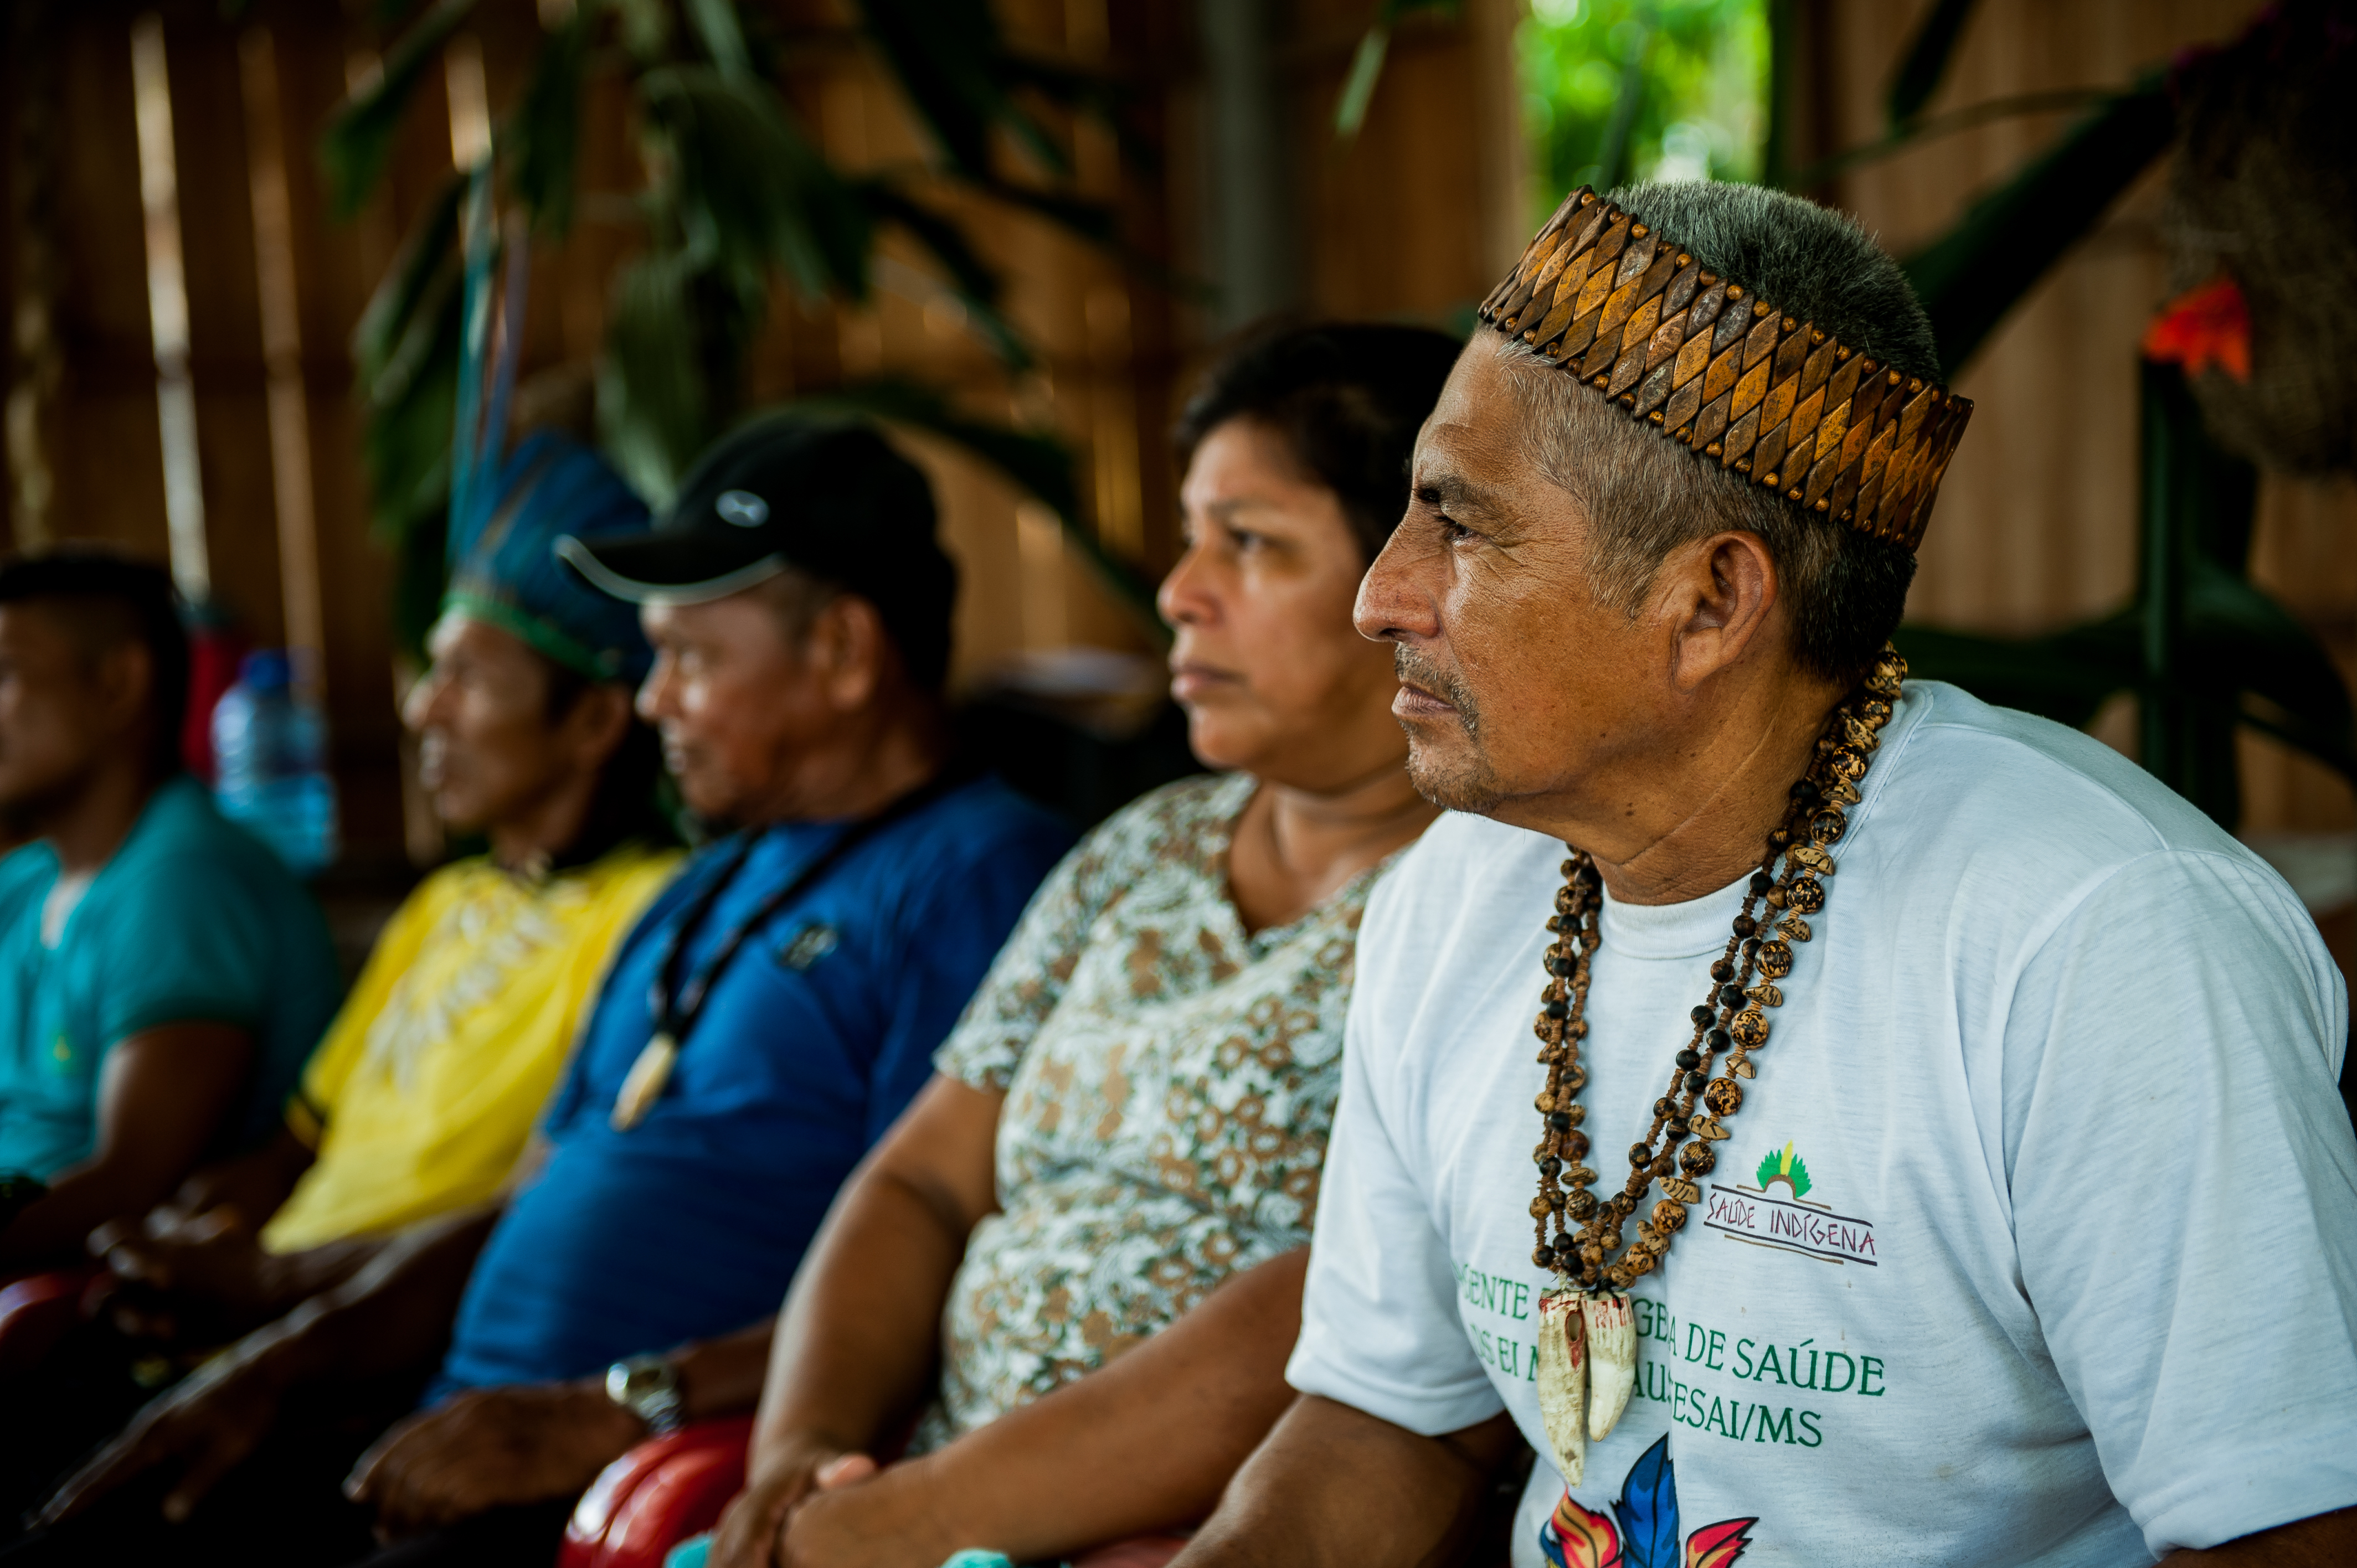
(656, 1496)
(2207, 326)
(38, 1311)
(213, 655)
(668, 1488)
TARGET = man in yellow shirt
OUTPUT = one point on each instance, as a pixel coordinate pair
(424, 1090)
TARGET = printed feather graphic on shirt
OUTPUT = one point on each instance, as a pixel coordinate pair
(1646, 1532)
(1782, 1165)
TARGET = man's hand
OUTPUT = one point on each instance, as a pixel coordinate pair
(206, 1426)
(203, 1274)
(749, 1533)
(487, 1448)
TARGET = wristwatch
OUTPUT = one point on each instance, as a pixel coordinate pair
(647, 1387)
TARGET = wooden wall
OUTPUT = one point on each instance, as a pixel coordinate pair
(2037, 518)
(1118, 351)
(1413, 220)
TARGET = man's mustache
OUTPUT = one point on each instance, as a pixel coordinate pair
(1415, 669)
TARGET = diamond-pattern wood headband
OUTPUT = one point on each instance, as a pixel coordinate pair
(1709, 364)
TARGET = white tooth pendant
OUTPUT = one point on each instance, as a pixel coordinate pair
(1611, 1357)
(1563, 1381)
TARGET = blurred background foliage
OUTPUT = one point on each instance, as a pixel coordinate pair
(740, 201)
(739, 204)
(1622, 90)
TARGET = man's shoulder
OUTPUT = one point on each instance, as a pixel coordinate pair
(184, 852)
(26, 871)
(1964, 780)
(981, 821)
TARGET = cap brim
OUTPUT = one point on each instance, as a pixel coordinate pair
(668, 569)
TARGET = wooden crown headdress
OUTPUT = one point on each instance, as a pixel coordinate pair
(1708, 363)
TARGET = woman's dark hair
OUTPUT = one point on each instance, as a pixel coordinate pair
(628, 803)
(1347, 398)
(105, 600)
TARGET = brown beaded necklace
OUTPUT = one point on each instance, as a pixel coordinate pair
(1743, 982)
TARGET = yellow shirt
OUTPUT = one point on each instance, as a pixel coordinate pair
(427, 1085)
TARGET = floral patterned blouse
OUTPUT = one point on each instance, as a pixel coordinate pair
(1170, 1083)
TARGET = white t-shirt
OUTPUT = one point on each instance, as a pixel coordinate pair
(2035, 1241)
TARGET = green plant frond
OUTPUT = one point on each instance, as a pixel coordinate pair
(540, 140)
(1033, 460)
(2333, 747)
(652, 408)
(358, 141)
(1799, 1175)
(2241, 652)
(1770, 1168)
(723, 37)
(972, 280)
(1091, 221)
(426, 253)
(952, 62)
(1976, 273)
(2254, 644)
(2065, 677)
(1358, 86)
(749, 190)
(645, 28)
(1367, 62)
(1916, 133)
(1926, 63)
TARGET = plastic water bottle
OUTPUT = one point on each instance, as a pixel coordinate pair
(270, 763)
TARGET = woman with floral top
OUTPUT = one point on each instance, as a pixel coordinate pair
(1125, 1131)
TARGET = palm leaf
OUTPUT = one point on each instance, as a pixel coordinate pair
(971, 279)
(716, 24)
(653, 412)
(950, 60)
(1970, 278)
(1367, 62)
(1927, 54)
(358, 141)
(1034, 460)
(543, 138)
(749, 191)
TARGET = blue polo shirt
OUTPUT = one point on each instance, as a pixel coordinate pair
(809, 1045)
(192, 920)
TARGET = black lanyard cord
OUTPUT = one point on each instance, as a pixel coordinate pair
(674, 1006)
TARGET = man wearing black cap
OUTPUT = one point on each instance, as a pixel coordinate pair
(765, 1023)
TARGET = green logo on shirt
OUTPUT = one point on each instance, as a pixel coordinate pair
(1782, 1165)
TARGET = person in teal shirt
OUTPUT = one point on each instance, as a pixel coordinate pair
(162, 975)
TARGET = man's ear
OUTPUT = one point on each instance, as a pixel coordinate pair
(847, 648)
(1718, 595)
(600, 718)
(122, 680)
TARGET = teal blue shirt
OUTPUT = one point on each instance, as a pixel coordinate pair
(193, 920)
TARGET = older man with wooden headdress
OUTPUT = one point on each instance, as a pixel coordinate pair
(1987, 1202)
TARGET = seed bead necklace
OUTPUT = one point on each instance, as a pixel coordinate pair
(1731, 1023)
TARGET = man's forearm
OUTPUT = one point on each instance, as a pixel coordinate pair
(723, 1377)
(1333, 1485)
(391, 1315)
(291, 1277)
(1145, 1442)
(2326, 1541)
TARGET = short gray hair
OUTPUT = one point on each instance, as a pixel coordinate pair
(1646, 495)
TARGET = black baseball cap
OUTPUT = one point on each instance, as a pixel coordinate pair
(829, 497)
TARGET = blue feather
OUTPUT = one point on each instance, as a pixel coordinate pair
(1648, 1510)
